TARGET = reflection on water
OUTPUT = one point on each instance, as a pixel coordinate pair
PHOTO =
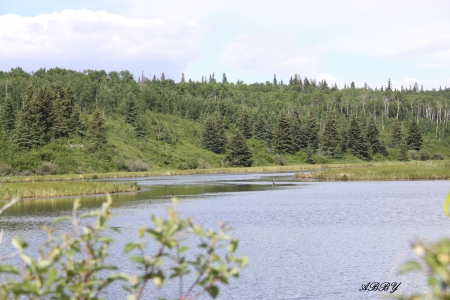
(317, 240)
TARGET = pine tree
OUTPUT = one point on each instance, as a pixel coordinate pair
(260, 129)
(74, 118)
(312, 132)
(352, 85)
(414, 139)
(397, 134)
(8, 116)
(131, 111)
(96, 129)
(61, 112)
(140, 132)
(298, 132)
(275, 82)
(330, 137)
(224, 78)
(182, 78)
(306, 84)
(309, 153)
(244, 123)
(42, 105)
(213, 136)
(163, 77)
(239, 154)
(373, 138)
(356, 142)
(30, 130)
(283, 138)
(403, 151)
(389, 85)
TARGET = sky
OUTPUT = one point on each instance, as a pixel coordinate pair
(340, 41)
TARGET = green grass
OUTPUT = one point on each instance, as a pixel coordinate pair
(413, 170)
(54, 189)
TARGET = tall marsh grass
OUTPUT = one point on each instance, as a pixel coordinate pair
(429, 170)
(53, 189)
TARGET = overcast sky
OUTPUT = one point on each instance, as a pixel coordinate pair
(341, 41)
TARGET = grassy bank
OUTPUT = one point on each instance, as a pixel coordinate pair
(429, 170)
(53, 189)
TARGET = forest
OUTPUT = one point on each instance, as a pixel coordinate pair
(59, 121)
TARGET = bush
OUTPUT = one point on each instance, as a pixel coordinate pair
(279, 159)
(414, 154)
(136, 166)
(73, 265)
(438, 156)
(47, 168)
(424, 154)
(26, 173)
(5, 169)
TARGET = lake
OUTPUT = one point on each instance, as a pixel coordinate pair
(304, 240)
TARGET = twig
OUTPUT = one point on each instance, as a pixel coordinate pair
(10, 203)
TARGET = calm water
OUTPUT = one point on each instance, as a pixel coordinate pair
(304, 240)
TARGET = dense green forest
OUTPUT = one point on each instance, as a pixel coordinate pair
(64, 121)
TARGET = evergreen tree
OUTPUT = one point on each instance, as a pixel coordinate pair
(298, 133)
(414, 139)
(224, 78)
(213, 136)
(275, 82)
(163, 77)
(389, 85)
(352, 85)
(312, 132)
(74, 122)
(140, 132)
(8, 116)
(61, 115)
(330, 137)
(283, 138)
(260, 129)
(397, 134)
(244, 123)
(306, 84)
(240, 154)
(42, 105)
(30, 131)
(182, 78)
(309, 153)
(403, 151)
(131, 111)
(356, 142)
(96, 128)
(373, 138)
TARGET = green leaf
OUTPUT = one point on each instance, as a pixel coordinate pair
(409, 267)
(18, 243)
(90, 214)
(446, 205)
(130, 246)
(182, 249)
(213, 291)
(61, 219)
(138, 259)
(118, 276)
(52, 275)
(8, 269)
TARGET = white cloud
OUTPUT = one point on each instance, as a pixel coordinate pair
(83, 39)
(269, 52)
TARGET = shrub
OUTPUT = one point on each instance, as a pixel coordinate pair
(73, 265)
(136, 166)
(5, 169)
(414, 154)
(438, 156)
(424, 154)
(26, 173)
(47, 168)
(279, 159)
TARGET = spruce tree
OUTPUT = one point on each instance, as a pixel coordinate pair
(131, 112)
(8, 116)
(306, 84)
(260, 128)
(244, 123)
(224, 78)
(30, 131)
(140, 132)
(356, 142)
(283, 138)
(330, 137)
(61, 112)
(298, 133)
(213, 135)
(42, 105)
(275, 82)
(96, 128)
(312, 132)
(239, 155)
(373, 138)
(414, 139)
(403, 151)
(397, 134)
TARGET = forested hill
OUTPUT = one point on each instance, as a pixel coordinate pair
(63, 121)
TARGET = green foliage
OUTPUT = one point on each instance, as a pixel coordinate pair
(312, 132)
(213, 136)
(331, 138)
(397, 135)
(283, 137)
(373, 138)
(72, 266)
(244, 124)
(414, 139)
(240, 155)
(96, 130)
(403, 151)
(8, 116)
(356, 143)
(131, 111)
(298, 131)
